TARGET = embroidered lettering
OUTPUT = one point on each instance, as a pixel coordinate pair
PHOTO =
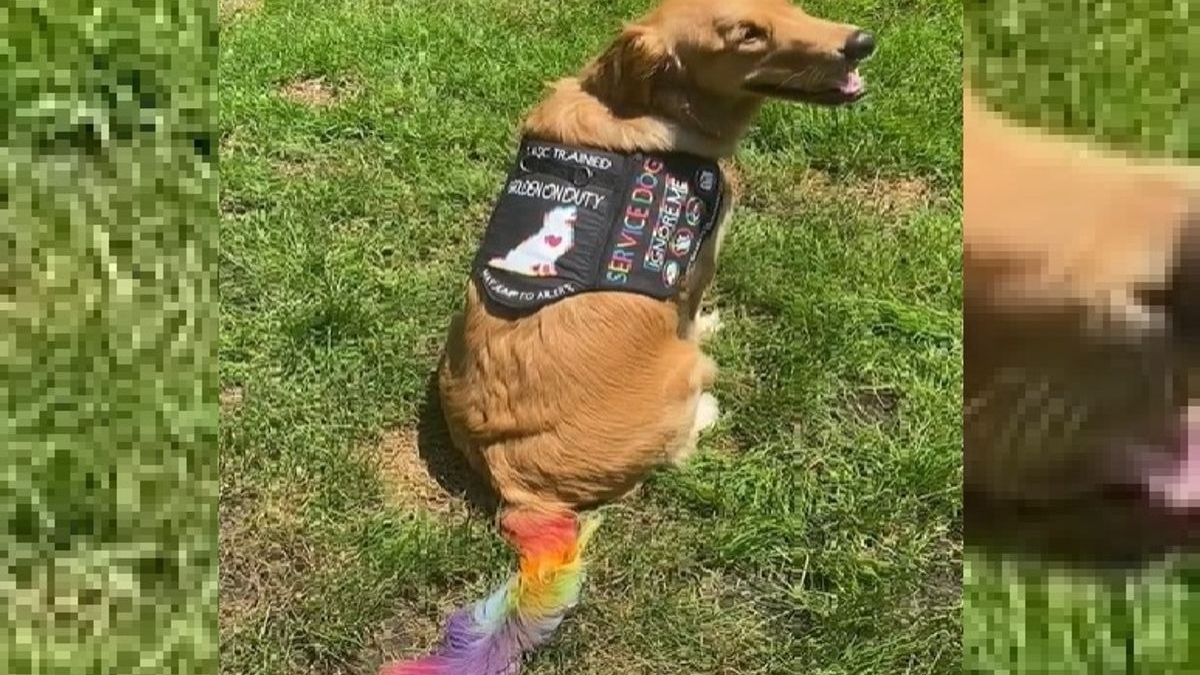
(554, 192)
(668, 218)
(580, 157)
(619, 265)
(497, 287)
(556, 292)
(635, 221)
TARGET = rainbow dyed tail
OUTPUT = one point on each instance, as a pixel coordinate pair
(490, 637)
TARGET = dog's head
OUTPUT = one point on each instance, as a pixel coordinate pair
(733, 50)
(1081, 340)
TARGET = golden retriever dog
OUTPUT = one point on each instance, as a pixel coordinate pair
(1081, 275)
(574, 404)
(570, 403)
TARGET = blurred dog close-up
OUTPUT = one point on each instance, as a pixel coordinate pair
(1081, 306)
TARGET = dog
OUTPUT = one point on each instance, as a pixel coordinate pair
(565, 393)
(1081, 283)
(575, 404)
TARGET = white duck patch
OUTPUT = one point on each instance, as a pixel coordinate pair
(538, 255)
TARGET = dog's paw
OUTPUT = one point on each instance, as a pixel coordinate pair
(708, 411)
(707, 325)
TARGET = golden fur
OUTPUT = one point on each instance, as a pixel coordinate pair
(1077, 292)
(575, 404)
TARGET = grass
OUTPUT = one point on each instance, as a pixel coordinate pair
(108, 218)
(1120, 73)
(817, 530)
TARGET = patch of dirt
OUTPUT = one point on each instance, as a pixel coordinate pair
(616, 657)
(940, 591)
(264, 556)
(293, 169)
(422, 471)
(885, 196)
(229, 10)
(407, 477)
(944, 586)
(231, 399)
(902, 195)
(411, 632)
(874, 405)
(316, 92)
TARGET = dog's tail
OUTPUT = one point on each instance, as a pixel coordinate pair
(490, 637)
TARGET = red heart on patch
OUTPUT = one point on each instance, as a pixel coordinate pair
(553, 240)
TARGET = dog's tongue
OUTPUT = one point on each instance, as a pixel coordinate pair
(851, 84)
(1179, 486)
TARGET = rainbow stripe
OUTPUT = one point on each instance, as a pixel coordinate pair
(490, 637)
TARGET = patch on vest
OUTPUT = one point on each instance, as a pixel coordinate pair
(571, 220)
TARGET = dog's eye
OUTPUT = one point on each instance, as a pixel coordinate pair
(748, 34)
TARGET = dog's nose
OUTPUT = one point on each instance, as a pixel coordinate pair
(859, 46)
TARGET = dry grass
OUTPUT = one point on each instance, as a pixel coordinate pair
(421, 471)
(265, 558)
(888, 197)
(885, 196)
(874, 405)
(231, 10)
(410, 632)
(406, 476)
(231, 399)
(316, 92)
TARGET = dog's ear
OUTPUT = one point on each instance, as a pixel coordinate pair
(634, 68)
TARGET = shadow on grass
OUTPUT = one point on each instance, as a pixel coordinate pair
(446, 464)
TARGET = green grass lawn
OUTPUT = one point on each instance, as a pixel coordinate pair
(817, 531)
(1123, 74)
(108, 338)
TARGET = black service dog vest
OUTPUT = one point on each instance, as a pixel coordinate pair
(571, 220)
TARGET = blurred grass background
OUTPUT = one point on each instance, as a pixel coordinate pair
(1126, 74)
(108, 452)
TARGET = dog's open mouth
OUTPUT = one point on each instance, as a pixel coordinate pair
(1166, 470)
(848, 89)
(1174, 479)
